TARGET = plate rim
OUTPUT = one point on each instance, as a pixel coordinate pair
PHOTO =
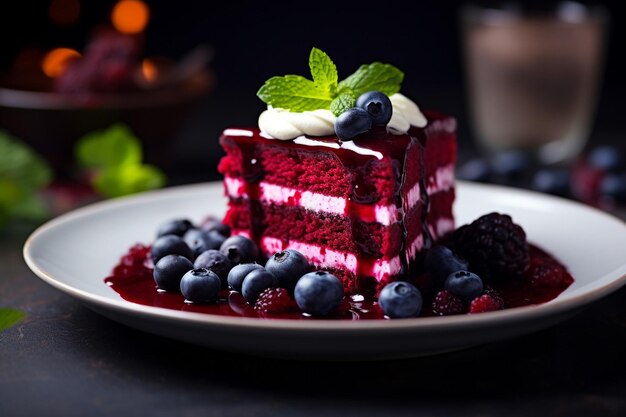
(468, 321)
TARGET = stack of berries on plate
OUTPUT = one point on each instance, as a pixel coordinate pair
(459, 274)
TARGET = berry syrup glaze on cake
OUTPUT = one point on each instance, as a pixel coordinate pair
(340, 206)
(363, 209)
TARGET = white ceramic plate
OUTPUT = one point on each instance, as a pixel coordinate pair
(74, 252)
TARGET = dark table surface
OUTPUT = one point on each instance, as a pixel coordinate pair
(65, 360)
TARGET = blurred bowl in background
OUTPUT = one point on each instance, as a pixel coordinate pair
(52, 122)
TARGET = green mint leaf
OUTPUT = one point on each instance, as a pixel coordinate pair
(374, 77)
(4, 216)
(32, 207)
(115, 156)
(18, 201)
(8, 317)
(294, 93)
(343, 102)
(10, 193)
(110, 147)
(20, 165)
(22, 173)
(128, 179)
(323, 71)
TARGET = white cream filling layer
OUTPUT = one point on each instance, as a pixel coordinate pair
(329, 258)
(386, 215)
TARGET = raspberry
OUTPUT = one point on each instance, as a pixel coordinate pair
(485, 303)
(495, 247)
(548, 275)
(495, 295)
(446, 304)
(275, 300)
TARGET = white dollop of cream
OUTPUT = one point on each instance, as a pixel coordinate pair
(405, 114)
(285, 125)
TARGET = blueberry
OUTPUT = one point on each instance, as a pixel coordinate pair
(552, 181)
(216, 261)
(169, 270)
(238, 273)
(176, 227)
(441, 262)
(240, 250)
(510, 165)
(318, 293)
(213, 224)
(170, 245)
(288, 266)
(256, 282)
(475, 170)
(216, 238)
(352, 123)
(606, 158)
(613, 186)
(200, 240)
(464, 284)
(378, 106)
(200, 285)
(400, 299)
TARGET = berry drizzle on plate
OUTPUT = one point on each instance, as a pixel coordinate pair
(448, 286)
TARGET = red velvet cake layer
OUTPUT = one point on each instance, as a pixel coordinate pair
(333, 231)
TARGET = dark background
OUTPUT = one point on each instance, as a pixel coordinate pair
(255, 40)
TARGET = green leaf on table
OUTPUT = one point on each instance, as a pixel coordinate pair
(127, 179)
(8, 317)
(114, 146)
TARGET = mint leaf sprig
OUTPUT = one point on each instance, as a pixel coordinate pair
(297, 94)
(22, 174)
(114, 155)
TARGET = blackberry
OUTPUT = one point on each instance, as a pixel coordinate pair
(495, 247)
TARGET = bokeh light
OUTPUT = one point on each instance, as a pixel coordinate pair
(55, 61)
(130, 16)
(149, 70)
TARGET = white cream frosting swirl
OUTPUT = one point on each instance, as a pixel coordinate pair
(285, 125)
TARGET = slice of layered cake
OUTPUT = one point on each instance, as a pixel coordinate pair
(359, 182)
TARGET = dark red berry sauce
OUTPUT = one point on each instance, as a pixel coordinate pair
(132, 279)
